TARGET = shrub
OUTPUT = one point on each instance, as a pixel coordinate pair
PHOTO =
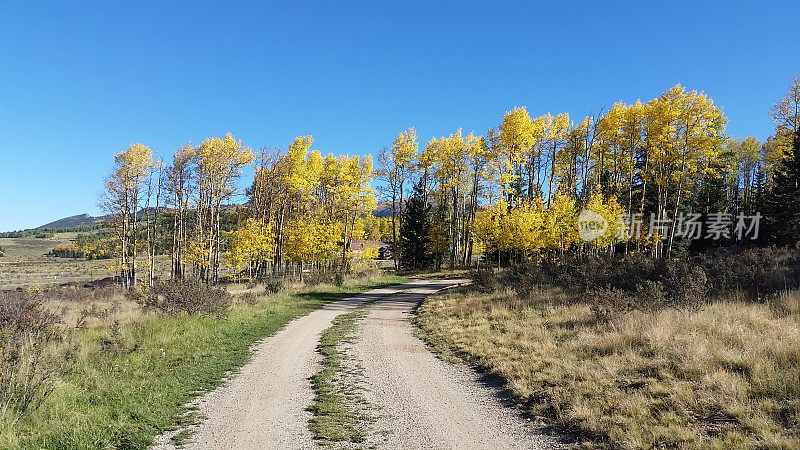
(68, 251)
(339, 278)
(686, 284)
(189, 295)
(336, 277)
(787, 303)
(74, 293)
(484, 279)
(317, 278)
(30, 360)
(365, 264)
(608, 302)
(273, 285)
(525, 278)
(621, 271)
(650, 296)
(757, 274)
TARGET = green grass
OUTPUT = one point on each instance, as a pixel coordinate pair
(335, 417)
(31, 246)
(341, 413)
(122, 398)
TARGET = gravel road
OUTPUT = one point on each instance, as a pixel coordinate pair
(423, 402)
(263, 406)
(426, 402)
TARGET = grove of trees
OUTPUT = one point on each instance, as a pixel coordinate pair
(515, 192)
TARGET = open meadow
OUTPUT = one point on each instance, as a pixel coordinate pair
(26, 262)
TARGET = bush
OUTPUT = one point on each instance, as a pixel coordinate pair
(607, 302)
(525, 278)
(619, 282)
(757, 274)
(189, 295)
(484, 278)
(30, 360)
(686, 284)
(339, 278)
(365, 264)
(273, 285)
(650, 296)
(317, 278)
(619, 271)
(74, 293)
(787, 303)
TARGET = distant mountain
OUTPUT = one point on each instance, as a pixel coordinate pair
(384, 209)
(74, 221)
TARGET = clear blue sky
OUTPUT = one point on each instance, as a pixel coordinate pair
(81, 82)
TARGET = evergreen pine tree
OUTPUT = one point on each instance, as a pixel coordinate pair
(415, 232)
(782, 206)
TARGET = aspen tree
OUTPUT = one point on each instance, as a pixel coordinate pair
(698, 139)
(125, 188)
(179, 185)
(398, 163)
(555, 137)
(218, 164)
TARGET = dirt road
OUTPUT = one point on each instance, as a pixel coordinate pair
(263, 406)
(428, 403)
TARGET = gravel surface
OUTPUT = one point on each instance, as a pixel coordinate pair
(263, 406)
(426, 402)
(420, 401)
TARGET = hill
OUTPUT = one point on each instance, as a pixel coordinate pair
(86, 222)
(383, 209)
(73, 221)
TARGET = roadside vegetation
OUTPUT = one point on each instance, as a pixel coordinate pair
(671, 356)
(112, 369)
(339, 410)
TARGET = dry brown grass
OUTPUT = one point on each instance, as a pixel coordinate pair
(726, 375)
(98, 312)
(18, 272)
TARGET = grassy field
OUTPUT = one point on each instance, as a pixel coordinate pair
(26, 262)
(135, 372)
(726, 375)
(31, 247)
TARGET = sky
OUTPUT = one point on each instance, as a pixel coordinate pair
(80, 81)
